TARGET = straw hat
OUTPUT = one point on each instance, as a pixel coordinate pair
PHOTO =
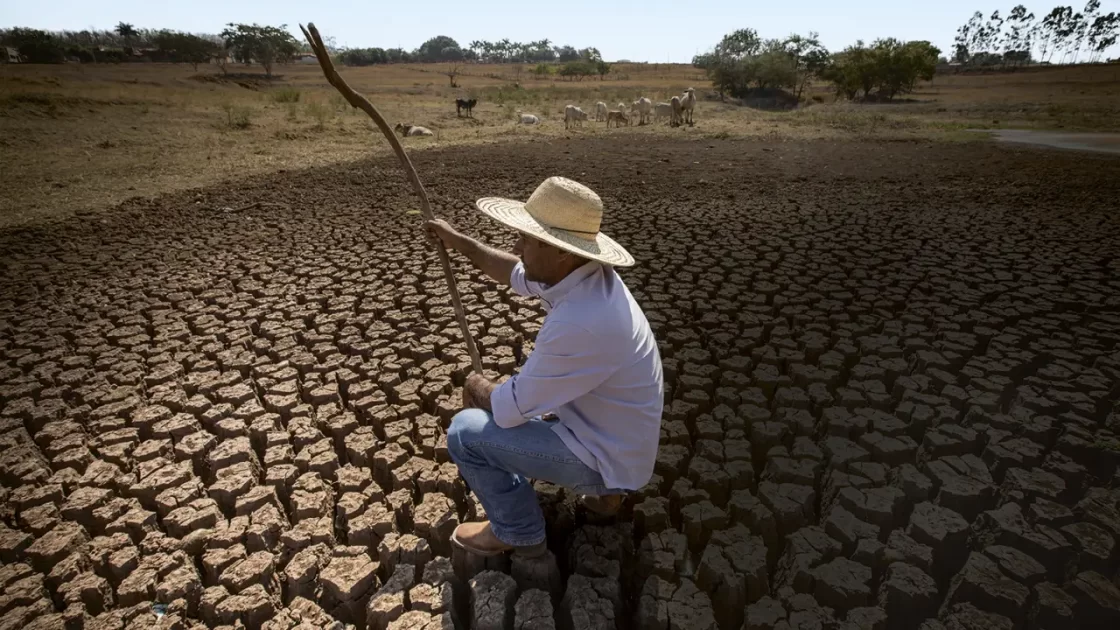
(563, 213)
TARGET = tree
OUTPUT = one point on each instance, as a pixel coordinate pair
(127, 32)
(35, 45)
(452, 72)
(264, 44)
(810, 58)
(439, 48)
(577, 69)
(567, 53)
(888, 66)
(1102, 34)
(993, 33)
(590, 54)
(184, 47)
(965, 41)
(1017, 45)
(603, 68)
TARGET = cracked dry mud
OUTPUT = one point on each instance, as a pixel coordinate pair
(891, 369)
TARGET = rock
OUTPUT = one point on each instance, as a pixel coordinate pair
(733, 572)
(982, 584)
(805, 550)
(492, 599)
(1096, 546)
(1018, 565)
(868, 618)
(1052, 607)
(55, 545)
(1098, 599)
(533, 611)
(842, 584)
(969, 617)
(944, 531)
(765, 614)
(537, 572)
(251, 607)
(257, 568)
(347, 582)
(908, 595)
(691, 608)
(389, 602)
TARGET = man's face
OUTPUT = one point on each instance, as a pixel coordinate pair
(541, 260)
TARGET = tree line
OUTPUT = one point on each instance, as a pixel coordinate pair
(742, 65)
(1062, 34)
(445, 49)
(245, 43)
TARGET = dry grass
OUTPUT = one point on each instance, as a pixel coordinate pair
(84, 137)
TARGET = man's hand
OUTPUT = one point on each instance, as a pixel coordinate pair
(476, 392)
(440, 230)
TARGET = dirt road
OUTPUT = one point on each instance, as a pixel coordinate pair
(1096, 142)
(892, 373)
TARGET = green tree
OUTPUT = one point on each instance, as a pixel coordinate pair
(603, 68)
(1102, 34)
(577, 69)
(127, 32)
(265, 45)
(439, 48)
(1018, 39)
(185, 47)
(567, 53)
(809, 57)
(35, 45)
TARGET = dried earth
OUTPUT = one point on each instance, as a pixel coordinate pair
(892, 372)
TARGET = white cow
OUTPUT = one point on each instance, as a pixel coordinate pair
(688, 103)
(662, 110)
(412, 130)
(573, 114)
(643, 107)
(675, 104)
(600, 111)
(529, 119)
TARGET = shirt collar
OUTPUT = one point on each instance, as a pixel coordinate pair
(553, 294)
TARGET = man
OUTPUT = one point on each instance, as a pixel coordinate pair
(595, 365)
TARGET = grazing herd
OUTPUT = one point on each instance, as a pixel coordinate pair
(679, 110)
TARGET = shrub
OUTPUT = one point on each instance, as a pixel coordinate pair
(237, 117)
(286, 95)
(319, 113)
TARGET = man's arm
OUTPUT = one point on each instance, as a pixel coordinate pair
(493, 262)
(477, 390)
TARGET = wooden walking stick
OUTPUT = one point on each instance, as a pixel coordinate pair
(362, 103)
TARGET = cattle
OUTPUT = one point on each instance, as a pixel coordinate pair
(662, 110)
(643, 107)
(573, 114)
(528, 119)
(467, 104)
(412, 130)
(688, 104)
(600, 111)
(675, 104)
(618, 118)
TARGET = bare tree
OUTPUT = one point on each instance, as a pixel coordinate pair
(452, 72)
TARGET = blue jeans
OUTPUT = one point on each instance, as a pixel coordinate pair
(498, 464)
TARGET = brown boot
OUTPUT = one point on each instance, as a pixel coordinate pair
(604, 505)
(479, 539)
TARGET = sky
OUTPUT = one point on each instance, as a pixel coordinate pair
(650, 30)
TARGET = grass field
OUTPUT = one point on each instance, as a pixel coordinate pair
(78, 138)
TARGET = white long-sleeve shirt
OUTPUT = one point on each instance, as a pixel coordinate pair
(595, 365)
